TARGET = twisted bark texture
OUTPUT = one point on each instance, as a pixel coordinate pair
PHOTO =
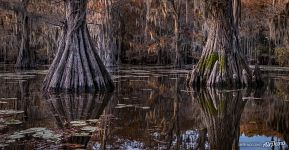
(221, 62)
(77, 66)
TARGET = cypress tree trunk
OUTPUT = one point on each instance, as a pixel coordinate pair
(24, 59)
(221, 62)
(77, 67)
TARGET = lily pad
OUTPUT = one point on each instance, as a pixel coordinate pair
(89, 128)
(251, 98)
(32, 130)
(10, 112)
(9, 98)
(121, 104)
(120, 107)
(47, 135)
(16, 136)
(147, 89)
(41, 133)
(81, 134)
(78, 123)
(1, 102)
(13, 122)
(145, 107)
(92, 121)
(10, 141)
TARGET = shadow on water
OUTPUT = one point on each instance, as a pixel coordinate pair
(149, 109)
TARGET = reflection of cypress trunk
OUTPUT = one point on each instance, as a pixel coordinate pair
(222, 114)
(278, 119)
(77, 66)
(70, 107)
(221, 62)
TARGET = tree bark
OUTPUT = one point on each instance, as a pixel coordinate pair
(77, 66)
(221, 62)
(25, 59)
(176, 5)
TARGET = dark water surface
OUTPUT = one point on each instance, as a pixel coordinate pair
(151, 108)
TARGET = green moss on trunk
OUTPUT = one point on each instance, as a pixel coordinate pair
(222, 63)
(212, 60)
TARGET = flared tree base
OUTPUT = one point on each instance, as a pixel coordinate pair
(77, 67)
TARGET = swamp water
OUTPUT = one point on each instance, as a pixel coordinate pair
(151, 108)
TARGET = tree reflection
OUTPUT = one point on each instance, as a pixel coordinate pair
(221, 112)
(70, 107)
(81, 108)
(279, 119)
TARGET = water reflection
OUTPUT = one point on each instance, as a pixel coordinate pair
(268, 116)
(71, 107)
(78, 115)
(150, 109)
(221, 112)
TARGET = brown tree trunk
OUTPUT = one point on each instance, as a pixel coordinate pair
(24, 59)
(77, 66)
(176, 15)
(221, 62)
(221, 113)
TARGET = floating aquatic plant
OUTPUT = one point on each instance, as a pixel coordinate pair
(41, 133)
(13, 122)
(78, 123)
(89, 128)
(10, 112)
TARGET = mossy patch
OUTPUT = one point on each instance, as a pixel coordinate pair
(222, 63)
(211, 60)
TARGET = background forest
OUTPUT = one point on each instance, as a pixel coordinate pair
(143, 31)
(165, 51)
